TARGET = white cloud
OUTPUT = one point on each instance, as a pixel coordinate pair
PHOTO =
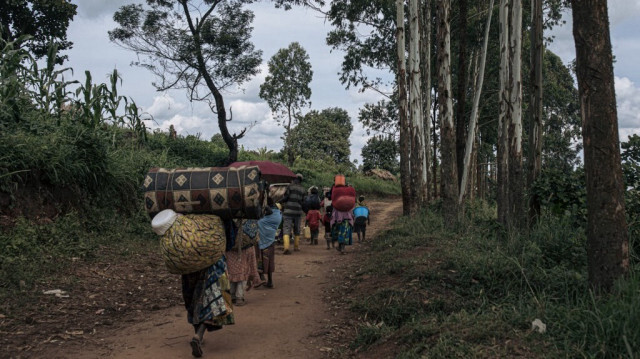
(623, 10)
(164, 107)
(628, 100)
(97, 8)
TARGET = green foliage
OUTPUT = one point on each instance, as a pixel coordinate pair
(35, 24)
(323, 135)
(286, 88)
(563, 193)
(381, 152)
(631, 161)
(455, 294)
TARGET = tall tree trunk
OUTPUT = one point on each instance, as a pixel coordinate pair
(476, 105)
(425, 57)
(534, 161)
(405, 132)
(516, 175)
(447, 130)
(434, 124)
(502, 155)
(415, 105)
(230, 140)
(607, 236)
(461, 97)
(287, 140)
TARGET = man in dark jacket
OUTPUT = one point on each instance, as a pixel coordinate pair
(292, 213)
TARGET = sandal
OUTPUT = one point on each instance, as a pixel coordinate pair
(196, 349)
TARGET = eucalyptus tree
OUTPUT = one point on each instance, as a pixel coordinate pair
(516, 175)
(534, 160)
(607, 235)
(445, 111)
(418, 146)
(502, 195)
(405, 131)
(475, 108)
(286, 88)
(201, 46)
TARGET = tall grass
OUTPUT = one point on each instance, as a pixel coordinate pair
(474, 293)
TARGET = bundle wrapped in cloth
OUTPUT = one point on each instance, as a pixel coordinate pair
(226, 192)
(190, 242)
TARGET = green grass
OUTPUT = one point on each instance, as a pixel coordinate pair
(473, 293)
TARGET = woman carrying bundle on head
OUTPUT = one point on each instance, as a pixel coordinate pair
(193, 245)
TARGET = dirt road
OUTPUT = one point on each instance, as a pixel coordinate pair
(288, 321)
(131, 309)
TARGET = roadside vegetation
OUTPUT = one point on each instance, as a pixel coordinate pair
(474, 291)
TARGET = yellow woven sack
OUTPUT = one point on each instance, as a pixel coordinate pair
(194, 242)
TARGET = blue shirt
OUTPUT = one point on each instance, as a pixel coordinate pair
(268, 225)
(361, 212)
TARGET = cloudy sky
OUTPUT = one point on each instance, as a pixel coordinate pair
(275, 29)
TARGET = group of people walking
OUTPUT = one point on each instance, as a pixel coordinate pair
(249, 259)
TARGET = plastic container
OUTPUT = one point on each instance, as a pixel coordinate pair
(339, 180)
(307, 232)
(343, 198)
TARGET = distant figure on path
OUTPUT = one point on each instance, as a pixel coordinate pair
(361, 213)
(313, 221)
(326, 219)
(292, 200)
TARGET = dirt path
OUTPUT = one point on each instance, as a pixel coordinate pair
(289, 320)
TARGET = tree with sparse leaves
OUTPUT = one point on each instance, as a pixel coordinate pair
(286, 88)
(201, 46)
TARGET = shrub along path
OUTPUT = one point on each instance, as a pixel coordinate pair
(130, 307)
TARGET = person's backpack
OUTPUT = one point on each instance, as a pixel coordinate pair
(312, 201)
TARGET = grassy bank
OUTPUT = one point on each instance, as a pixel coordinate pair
(473, 293)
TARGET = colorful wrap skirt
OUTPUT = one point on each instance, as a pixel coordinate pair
(342, 233)
(207, 297)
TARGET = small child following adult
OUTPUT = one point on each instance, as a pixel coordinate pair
(313, 221)
(361, 213)
(326, 219)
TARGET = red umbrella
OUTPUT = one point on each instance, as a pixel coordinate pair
(271, 171)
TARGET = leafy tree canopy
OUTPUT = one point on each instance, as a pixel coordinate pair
(323, 135)
(45, 21)
(286, 88)
(381, 152)
(631, 161)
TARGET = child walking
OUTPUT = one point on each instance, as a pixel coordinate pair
(313, 221)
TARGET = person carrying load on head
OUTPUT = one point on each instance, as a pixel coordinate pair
(193, 245)
(362, 218)
(292, 203)
(268, 225)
